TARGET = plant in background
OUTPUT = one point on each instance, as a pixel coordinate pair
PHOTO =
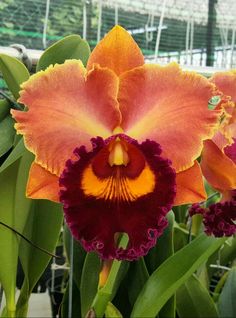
(116, 142)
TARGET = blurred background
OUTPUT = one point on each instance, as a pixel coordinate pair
(191, 32)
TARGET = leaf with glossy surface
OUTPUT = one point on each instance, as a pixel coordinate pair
(227, 303)
(165, 281)
(194, 300)
(14, 73)
(71, 47)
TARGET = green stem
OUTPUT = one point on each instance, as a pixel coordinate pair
(104, 294)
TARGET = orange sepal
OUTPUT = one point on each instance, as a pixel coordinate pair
(169, 106)
(42, 184)
(66, 107)
(189, 186)
(117, 51)
(217, 168)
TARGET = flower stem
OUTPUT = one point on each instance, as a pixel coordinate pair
(104, 294)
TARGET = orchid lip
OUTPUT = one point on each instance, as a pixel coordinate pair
(101, 200)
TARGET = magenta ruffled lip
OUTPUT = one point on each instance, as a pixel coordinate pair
(218, 219)
(95, 221)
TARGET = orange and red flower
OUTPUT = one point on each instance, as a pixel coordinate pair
(219, 164)
(139, 118)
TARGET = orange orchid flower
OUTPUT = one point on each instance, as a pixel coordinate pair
(139, 118)
(219, 164)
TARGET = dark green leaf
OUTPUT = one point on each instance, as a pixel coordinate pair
(76, 307)
(71, 47)
(14, 73)
(79, 255)
(164, 247)
(227, 303)
(137, 277)
(89, 281)
(164, 282)
(4, 108)
(194, 300)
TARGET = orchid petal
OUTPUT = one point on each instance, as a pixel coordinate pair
(226, 82)
(66, 107)
(217, 167)
(190, 187)
(117, 51)
(170, 107)
(42, 184)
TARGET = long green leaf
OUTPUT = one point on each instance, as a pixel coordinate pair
(164, 282)
(42, 228)
(227, 303)
(194, 300)
(71, 47)
(79, 255)
(14, 73)
(76, 307)
(89, 281)
(14, 209)
(8, 240)
(136, 278)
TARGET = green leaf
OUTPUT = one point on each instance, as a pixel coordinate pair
(79, 255)
(164, 282)
(164, 247)
(76, 307)
(4, 108)
(7, 133)
(225, 255)
(89, 281)
(194, 300)
(71, 47)
(8, 240)
(14, 73)
(227, 303)
(14, 210)
(16, 153)
(137, 277)
(42, 228)
(112, 311)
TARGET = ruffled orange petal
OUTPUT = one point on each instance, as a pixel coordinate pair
(42, 184)
(170, 107)
(190, 187)
(66, 107)
(218, 169)
(226, 82)
(117, 51)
